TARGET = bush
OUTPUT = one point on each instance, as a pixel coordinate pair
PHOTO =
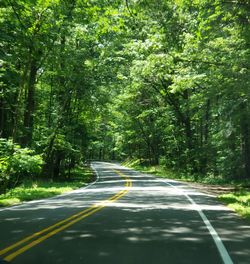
(16, 163)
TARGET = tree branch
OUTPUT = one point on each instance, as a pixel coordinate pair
(17, 15)
(127, 5)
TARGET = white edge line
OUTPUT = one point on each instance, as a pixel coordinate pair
(217, 240)
(97, 176)
(55, 197)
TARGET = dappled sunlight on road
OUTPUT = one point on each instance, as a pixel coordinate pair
(154, 214)
(136, 207)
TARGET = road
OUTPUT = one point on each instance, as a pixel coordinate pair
(124, 217)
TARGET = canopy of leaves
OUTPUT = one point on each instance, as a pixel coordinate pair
(153, 80)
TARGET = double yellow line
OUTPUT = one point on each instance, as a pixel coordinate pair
(36, 238)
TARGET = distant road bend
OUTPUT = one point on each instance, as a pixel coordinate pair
(125, 217)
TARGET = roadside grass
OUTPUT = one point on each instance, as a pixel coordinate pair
(238, 201)
(38, 189)
(164, 172)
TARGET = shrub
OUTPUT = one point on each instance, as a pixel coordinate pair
(16, 163)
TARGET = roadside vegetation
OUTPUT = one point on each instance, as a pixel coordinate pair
(238, 200)
(165, 82)
(161, 170)
(23, 179)
(30, 190)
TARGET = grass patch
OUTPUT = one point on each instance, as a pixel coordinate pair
(157, 170)
(164, 172)
(39, 189)
(239, 201)
(160, 171)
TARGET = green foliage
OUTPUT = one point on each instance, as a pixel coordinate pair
(239, 201)
(16, 164)
(184, 94)
(39, 189)
(159, 170)
(157, 81)
(24, 162)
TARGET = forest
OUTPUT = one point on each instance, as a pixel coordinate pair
(156, 81)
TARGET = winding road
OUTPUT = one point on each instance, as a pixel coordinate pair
(124, 217)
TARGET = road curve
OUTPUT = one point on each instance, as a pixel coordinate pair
(124, 217)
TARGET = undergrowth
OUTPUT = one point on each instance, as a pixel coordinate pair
(41, 188)
(238, 201)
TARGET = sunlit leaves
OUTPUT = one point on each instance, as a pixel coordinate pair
(155, 80)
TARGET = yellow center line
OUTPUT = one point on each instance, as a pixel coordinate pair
(52, 227)
(64, 223)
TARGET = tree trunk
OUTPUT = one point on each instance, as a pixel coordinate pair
(204, 138)
(57, 164)
(28, 120)
(2, 119)
(245, 138)
(18, 107)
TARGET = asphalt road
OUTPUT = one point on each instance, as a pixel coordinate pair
(124, 217)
